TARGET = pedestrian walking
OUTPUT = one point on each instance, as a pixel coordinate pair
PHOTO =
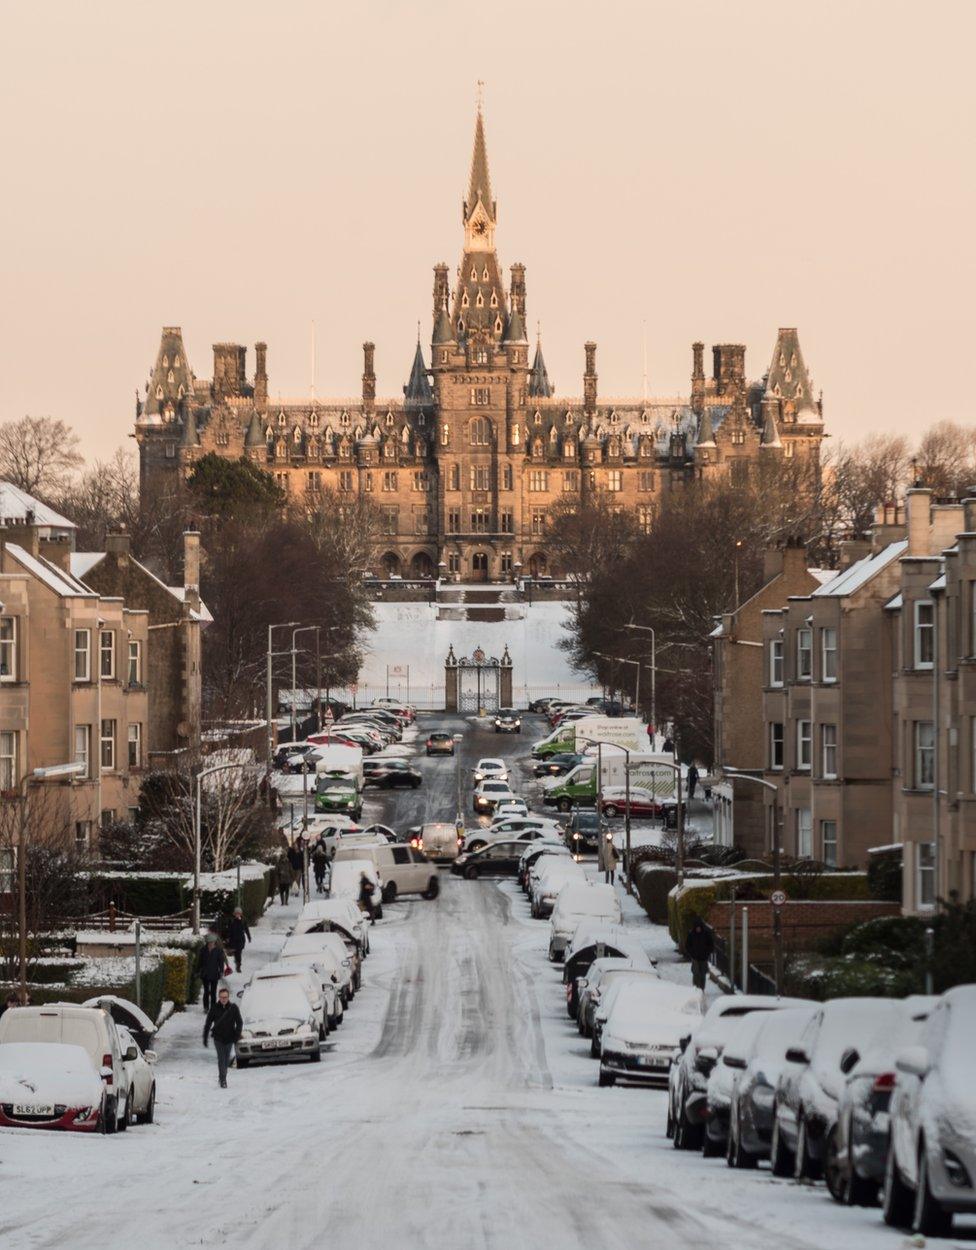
(237, 935)
(692, 781)
(668, 747)
(320, 861)
(366, 897)
(225, 1025)
(610, 859)
(212, 965)
(297, 861)
(283, 876)
(698, 947)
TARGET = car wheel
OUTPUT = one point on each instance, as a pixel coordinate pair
(594, 1048)
(931, 1219)
(389, 892)
(242, 1063)
(433, 888)
(606, 1078)
(805, 1168)
(147, 1116)
(128, 1115)
(553, 956)
(565, 805)
(609, 809)
(711, 1149)
(780, 1156)
(688, 1136)
(835, 1173)
(415, 783)
(111, 1115)
(897, 1199)
(316, 1055)
(104, 1117)
(669, 1124)
(476, 846)
(470, 872)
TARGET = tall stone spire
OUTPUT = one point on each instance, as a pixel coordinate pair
(171, 383)
(788, 379)
(479, 185)
(480, 306)
(417, 393)
(539, 384)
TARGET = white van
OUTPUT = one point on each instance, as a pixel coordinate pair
(339, 760)
(346, 874)
(91, 1028)
(439, 841)
(403, 869)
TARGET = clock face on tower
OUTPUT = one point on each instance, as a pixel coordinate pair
(480, 227)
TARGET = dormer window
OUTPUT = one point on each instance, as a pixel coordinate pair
(313, 420)
(480, 301)
(170, 377)
(498, 325)
(176, 362)
(474, 274)
(460, 330)
(464, 300)
(159, 392)
(494, 300)
(389, 419)
(181, 392)
(165, 362)
(537, 419)
(269, 435)
(281, 420)
(344, 418)
(484, 274)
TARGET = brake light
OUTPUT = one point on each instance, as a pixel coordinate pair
(884, 1083)
(108, 1071)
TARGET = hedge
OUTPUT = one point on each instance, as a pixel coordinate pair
(810, 976)
(654, 883)
(153, 978)
(221, 903)
(143, 894)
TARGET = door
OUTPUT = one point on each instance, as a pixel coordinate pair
(479, 567)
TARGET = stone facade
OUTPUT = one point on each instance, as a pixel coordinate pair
(467, 466)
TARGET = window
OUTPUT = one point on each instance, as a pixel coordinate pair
(538, 480)
(506, 562)
(107, 653)
(83, 830)
(804, 654)
(645, 479)
(828, 654)
(8, 760)
(480, 432)
(480, 396)
(828, 750)
(803, 744)
(924, 634)
(345, 481)
(738, 438)
(369, 481)
(223, 438)
(776, 662)
(615, 480)
(925, 865)
(8, 648)
(314, 482)
(391, 518)
(455, 477)
(804, 833)
(170, 451)
(421, 481)
(507, 521)
(776, 744)
(828, 842)
(107, 818)
(454, 562)
(454, 520)
(421, 521)
(82, 655)
(481, 477)
(108, 745)
(571, 480)
(480, 521)
(445, 434)
(508, 478)
(135, 746)
(645, 518)
(538, 521)
(134, 676)
(83, 747)
(282, 481)
(924, 755)
(390, 480)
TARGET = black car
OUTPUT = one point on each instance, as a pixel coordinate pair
(388, 774)
(508, 721)
(541, 705)
(557, 765)
(583, 830)
(497, 859)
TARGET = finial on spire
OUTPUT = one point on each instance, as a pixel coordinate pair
(481, 95)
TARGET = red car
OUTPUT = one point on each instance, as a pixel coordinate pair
(642, 802)
(51, 1085)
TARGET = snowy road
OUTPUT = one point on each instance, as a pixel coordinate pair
(456, 1107)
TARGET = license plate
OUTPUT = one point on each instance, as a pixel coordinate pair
(269, 1045)
(21, 1108)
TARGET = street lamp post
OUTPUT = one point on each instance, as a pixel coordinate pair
(305, 629)
(270, 703)
(204, 772)
(738, 775)
(648, 629)
(600, 744)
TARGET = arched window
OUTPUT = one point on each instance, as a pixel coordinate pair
(313, 420)
(480, 430)
(344, 418)
(389, 419)
(445, 434)
(569, 449)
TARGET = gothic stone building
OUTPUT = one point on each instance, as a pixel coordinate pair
(468, 465)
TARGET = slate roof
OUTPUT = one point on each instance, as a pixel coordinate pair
(16, 505)
(788, 378)
(418, 392)
(172, 378)
(860, 572)
(539, 384)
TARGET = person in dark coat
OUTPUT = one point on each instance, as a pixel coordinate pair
(698, 947)
(237, 935)
(320, 860)
(211, 963)
(366, 897)
(283, 876)
(297, 861)
(692, 781)
(224, 1023)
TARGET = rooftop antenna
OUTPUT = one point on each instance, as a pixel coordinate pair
(644, 357)
(481, 95)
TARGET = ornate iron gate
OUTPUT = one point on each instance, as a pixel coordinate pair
(479, 682)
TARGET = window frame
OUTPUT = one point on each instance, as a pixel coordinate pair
(134, 663)
(925, 875)
(829, 678)
(804, 746)
(923, 755)
(829, 774)
(774, 741)
(923, 634)
(108, 740)
(106, 651)
(83, 757)
(82, 633)
(804, 647)
(828, 857)
(776, 662)
(615, 481)
(804, 833)
(8, 649)
(136, 741)
(9, 757)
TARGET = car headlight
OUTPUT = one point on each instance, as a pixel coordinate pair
(956, 1170)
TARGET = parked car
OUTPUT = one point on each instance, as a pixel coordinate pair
(94, 1030)
(439, 743)
(317, 947)
(403, 869)
(688, 1083)
(323, 1002)
(810, 1084)
(533, 852)
(52, 1085)
(644, 1020)
(540, 705)
(403, 710)
(439, 841)
(496, 859)
(557, 765)
(323, 966)
(142, 1081)
(490, 769)
(279, 1023)
(597, 979)
(126, 1013)
(549, 877)
(484, 837)
(489, 794)
(857, 1149)
(507, 721)
(583, 830)
(643, 802)
(321, 914)
(511, 808)
(931, 1165)
(580, 901)
(595, 940)
(389, 774)
(754, 1089)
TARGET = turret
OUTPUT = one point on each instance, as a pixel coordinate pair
(369, 379)
(261, 374)
(589, 380)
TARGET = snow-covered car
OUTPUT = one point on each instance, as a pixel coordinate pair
(857, 1149)
(722, 1081)
(597, 979)
(483, 837)
(931, 1168)
(644, 1021)
(142, 1081)
(750, 1129)
(580, 901)
(307, 979)
(52, 1085)
(321, 914)
(596, 939)
(346, 878)
(311, 947)
(534, 852)
(490, 769)
(688, 1082)
(511, 808)
(810, 1084)
(94, 1030)
(548, 877)
(489, 794)
(126, 1013)
(519, 824)
(279, 1023)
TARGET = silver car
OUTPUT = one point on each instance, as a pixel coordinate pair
(931, 1165)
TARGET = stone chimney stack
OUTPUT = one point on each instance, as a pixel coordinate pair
(369, 379)
(119, 547)
(191, 560)
(698, 378)
(441, 289)
(261, 375)
(589, 380)
(918, 514)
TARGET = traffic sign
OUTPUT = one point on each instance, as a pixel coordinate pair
(329, 716)
(777, 898)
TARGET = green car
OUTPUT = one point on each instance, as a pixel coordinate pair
(338, 797)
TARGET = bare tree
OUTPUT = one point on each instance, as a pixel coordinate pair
(103, 500)
(38, 454)
(946, 458)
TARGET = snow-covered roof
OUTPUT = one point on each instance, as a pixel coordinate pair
(860, 572)
(939, 583)
(822, 575)
(17, 507)
(895, 603)
(49, 574)
(82, 562)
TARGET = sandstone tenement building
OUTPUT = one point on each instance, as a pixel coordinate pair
(468, 465)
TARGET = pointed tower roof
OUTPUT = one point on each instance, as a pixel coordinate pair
(172, 378)
(479, 184)
(770, 431)
(516, 329)
(442, 328)
(706, 432)
(255, 432)
(788, 378)
(539, 385)
(417, 393)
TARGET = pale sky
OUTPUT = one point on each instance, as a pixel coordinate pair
(713, 169)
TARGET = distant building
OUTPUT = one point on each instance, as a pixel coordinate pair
(468, 465)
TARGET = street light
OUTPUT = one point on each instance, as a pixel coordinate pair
(318, 675)
(740, 775)
(270, 706)
(204, 772)
(648, 629)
